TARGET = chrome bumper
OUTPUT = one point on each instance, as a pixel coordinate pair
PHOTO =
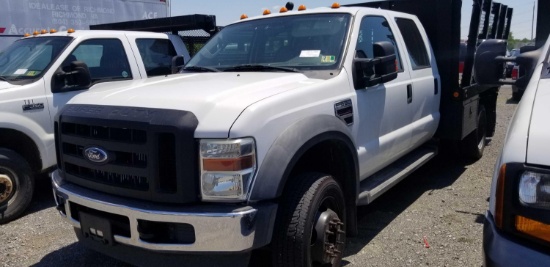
(217, 228)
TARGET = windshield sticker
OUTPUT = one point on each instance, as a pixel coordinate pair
(328, 59)
(20, 71)
(32, 73)
(310, 53)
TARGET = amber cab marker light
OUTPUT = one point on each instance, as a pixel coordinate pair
(283, 10)
(533, 228)
(267, 12)
(301, 7)
(244, 16)
(499, 205)
(71, 30)
(27, 34)
(35, 33)
(335, 5)
(53, 30)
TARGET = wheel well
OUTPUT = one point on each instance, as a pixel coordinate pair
(23, 145)
(331, 157)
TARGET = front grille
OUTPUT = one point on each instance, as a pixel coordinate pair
(146, 154)
(109, 178)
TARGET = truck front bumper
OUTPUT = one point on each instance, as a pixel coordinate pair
(501, 250)
(202, 228)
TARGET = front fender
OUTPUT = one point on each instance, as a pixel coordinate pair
(291, 145)
(43, 140)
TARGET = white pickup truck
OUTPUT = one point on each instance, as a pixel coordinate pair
(271, 137)
(39, 74)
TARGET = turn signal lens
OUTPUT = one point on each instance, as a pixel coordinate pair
(499, 204)
(231, 164)
(533, 228)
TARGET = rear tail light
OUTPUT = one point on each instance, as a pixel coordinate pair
(515, 73)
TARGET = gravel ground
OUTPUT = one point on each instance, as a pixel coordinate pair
(432, 218)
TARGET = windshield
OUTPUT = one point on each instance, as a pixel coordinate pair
(289, 43)
(27, 59)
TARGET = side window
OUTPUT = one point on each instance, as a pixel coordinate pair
(414, 42)
(105, 58)
(157, 55)
(376, 29)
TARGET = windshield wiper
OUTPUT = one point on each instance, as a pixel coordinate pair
(2, 78)
(201, 69)
(259, 67)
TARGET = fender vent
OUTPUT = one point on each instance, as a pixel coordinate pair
(344, 111)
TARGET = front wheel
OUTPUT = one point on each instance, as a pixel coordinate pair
(310, 225)
(16, 185)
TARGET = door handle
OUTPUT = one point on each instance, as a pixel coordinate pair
(409, 93)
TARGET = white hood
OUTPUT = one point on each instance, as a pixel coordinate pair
(6, 85)
(538, 145)
(216, 99)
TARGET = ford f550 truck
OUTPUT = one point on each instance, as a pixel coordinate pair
(275, 132)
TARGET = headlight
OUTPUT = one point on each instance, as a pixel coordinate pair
(227, 168)
(534, 189)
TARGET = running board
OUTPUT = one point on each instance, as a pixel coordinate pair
(375, 185)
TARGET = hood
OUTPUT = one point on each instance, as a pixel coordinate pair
(538, 143)
(216, 99)
(6, 85)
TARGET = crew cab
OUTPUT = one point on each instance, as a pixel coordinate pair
(517, 225)
(39, 74)
(272, 135)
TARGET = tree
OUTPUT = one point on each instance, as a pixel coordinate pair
(511, 41)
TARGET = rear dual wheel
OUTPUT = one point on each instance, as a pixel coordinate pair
(310, 226)
(474, 144)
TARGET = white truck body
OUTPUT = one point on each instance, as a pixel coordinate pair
(28, 103)
(246, 137)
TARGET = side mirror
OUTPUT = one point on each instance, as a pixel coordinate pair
(488, 69)
(78, 78)
(380, 69)
(527, 62)
(177, 63)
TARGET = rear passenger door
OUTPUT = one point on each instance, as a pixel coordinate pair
(423, 98)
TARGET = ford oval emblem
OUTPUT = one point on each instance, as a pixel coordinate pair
(96, 154)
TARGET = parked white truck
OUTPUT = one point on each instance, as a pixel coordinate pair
(40, 73)
(273, 134)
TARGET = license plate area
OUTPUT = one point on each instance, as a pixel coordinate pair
(96, 228)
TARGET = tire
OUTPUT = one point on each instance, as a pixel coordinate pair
(474, 144)
(516, 96)
(310, 224)
(16, 185)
